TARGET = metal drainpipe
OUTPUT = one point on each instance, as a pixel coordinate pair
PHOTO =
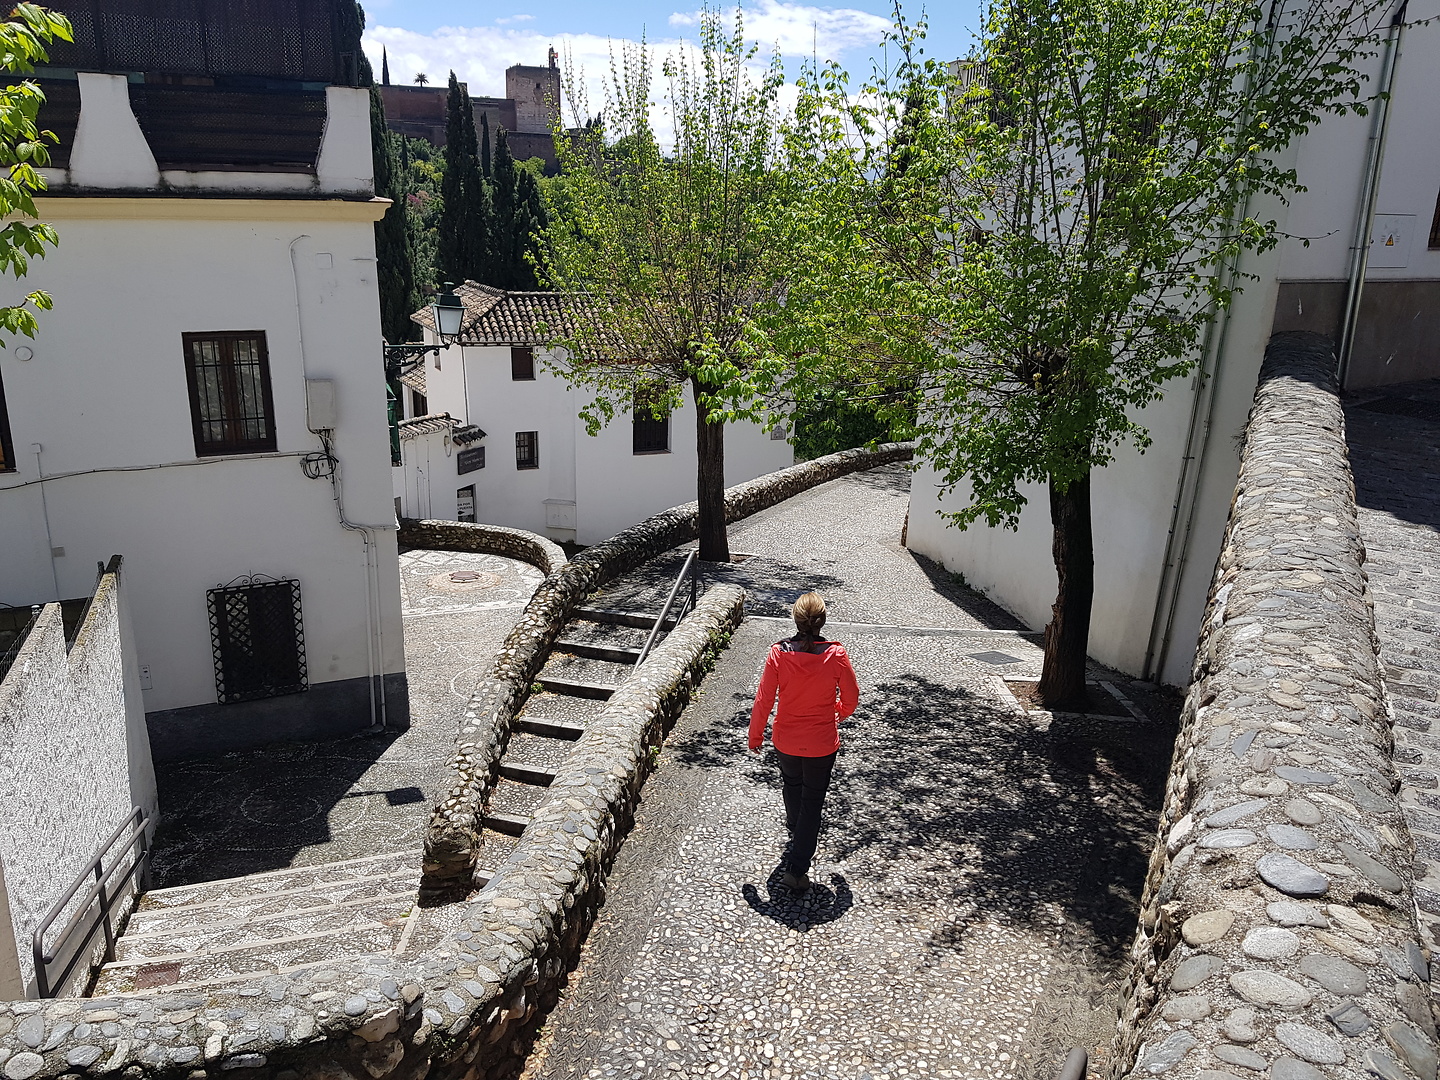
(1204, 401)
(1369, 190)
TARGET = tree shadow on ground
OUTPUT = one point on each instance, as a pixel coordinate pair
(948, 795)
(767, 582)
(1396, 458)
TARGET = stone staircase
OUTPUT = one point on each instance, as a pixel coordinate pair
(235, 929)
(594, 654)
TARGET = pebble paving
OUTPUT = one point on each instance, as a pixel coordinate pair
(301, 804)
(1394, 440)
(977, 882)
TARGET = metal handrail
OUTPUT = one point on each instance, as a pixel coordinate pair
(675, 589)
(137, 823)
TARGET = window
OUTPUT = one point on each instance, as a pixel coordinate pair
(522, 364)
(650, 420)
(527, 450)
(651, 436)
(231, 406)
(1435, 227)
(418, 405)
(258, 637)
(7, 448)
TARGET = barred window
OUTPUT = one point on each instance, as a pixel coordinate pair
(231, 406)
(7, 448)
(527, 450)
(258, 637)
(650, 419)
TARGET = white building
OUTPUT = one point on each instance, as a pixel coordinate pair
(207, 398)
(532, 465)
(1159, 517)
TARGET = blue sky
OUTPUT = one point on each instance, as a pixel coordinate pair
(480, 40)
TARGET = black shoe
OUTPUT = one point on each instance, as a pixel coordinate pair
(795, 882)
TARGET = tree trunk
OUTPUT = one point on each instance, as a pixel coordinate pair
(1067, 638)
(710, 481)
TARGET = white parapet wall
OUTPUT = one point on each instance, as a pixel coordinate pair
(74, 762)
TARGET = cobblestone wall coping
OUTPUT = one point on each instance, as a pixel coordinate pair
(453, 840)
(543, 554)
(1277, 932)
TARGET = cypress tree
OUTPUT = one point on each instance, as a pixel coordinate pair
(504, 194)
(485, 145)
(453, 257)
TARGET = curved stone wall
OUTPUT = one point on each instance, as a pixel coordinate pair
(452, 842)
(545, 555)
(1278, 933)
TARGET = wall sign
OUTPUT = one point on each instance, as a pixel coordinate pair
(470, 459)
(465, 504)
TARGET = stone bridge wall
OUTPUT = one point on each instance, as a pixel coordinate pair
(452, 843)
(545, 555)
(1278, 934)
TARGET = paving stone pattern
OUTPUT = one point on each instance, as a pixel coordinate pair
(1396, 460)
(976, 884)
(308, 803)
(1277, 934)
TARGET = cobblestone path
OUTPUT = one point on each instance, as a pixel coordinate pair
(1394, 438)
(308, 803)
(977, 882)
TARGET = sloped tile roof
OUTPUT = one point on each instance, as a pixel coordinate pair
(415, 378)
(496, 317)
(426, 425)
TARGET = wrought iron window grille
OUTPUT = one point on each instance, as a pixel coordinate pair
(257, 633)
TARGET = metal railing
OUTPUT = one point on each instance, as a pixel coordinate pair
(688, 570)
(76, 941)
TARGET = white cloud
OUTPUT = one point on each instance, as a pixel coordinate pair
(801, 29)
(508, 19)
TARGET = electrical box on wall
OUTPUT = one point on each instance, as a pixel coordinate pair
(1390, 240)
(320, 404)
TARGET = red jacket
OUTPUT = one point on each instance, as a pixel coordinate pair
(817, 691)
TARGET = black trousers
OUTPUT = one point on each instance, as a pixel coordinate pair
(806, 779)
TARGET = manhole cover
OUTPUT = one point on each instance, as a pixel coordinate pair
(996, 658)
(464, 581)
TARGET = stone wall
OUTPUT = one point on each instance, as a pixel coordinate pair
(1277, 933)
(468, 1004)
(545, 555)
(74, 760)
(453, 840)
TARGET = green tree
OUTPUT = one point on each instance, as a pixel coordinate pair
(671, 253)
(1037, 241)
(516, 223)
(464, 239)
(23, 37)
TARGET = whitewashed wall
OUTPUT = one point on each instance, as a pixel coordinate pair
(104, 397)
(74, 761)
(609, 485)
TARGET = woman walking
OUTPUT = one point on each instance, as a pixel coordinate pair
(817, 689)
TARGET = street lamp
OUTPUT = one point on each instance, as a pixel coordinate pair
(448, 311)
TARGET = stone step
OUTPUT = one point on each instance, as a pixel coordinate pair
(591, 651)
(573, 688)
(638, 619)
(565, 667)
(188, 936)
(579, 712)
(509, 824)
(539, 752)
(322, 878)
(495, 848)
(523, 773)
(605, 635)
(552, 729)
(255, 957)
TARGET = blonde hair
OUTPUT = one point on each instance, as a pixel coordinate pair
(809, 613)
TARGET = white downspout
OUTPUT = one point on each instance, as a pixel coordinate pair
(1369, 190)
(374, 631)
